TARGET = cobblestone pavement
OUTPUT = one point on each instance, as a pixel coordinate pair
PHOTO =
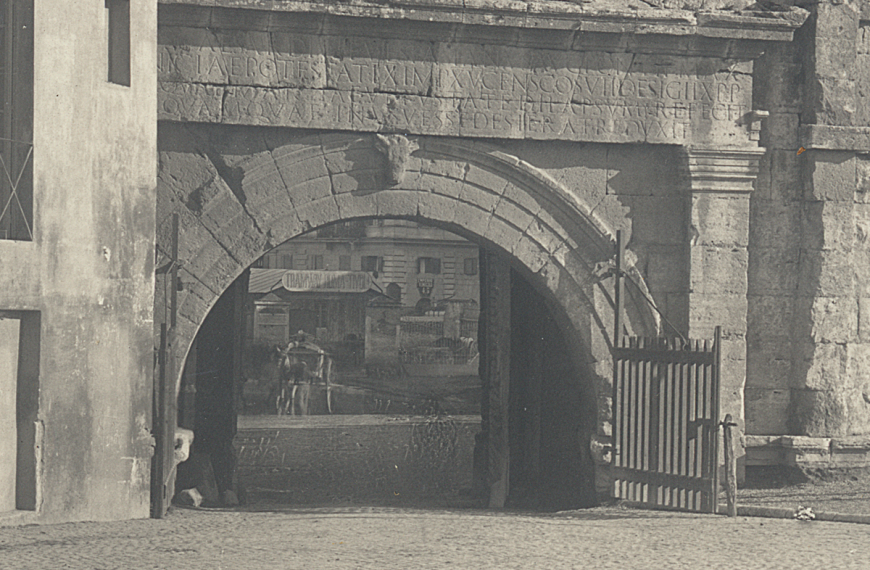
(384, 538)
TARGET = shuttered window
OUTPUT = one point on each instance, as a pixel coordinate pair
(16, 119)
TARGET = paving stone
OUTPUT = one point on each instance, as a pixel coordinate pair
(355, 537)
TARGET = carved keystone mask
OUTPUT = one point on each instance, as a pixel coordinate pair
(396, 149)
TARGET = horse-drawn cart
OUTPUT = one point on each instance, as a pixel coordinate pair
(303, 365)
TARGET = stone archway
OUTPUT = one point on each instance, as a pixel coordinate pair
(240, 192)
(263, 188)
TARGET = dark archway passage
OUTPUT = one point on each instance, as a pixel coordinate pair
(207, 403)
(551, 417)
(552, 410)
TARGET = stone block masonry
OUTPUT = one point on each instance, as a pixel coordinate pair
(590, 130)
(346, 81)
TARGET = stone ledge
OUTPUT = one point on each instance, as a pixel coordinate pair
(596, 16)
(780, 513)
(854, 443)
(808, 452)
(827, 137)
(763, 512)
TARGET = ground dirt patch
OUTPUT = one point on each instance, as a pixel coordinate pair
(846, 492)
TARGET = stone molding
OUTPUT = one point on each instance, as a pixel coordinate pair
(811, 452)
(722, 170)
(599, 17)
(829, 137)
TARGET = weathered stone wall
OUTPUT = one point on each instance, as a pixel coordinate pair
(630, 122)
(271, 69)
(808, 352)
(89, 270)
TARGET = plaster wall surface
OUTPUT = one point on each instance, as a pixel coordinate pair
(89, 269)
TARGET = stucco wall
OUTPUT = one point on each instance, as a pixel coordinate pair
(89, 270)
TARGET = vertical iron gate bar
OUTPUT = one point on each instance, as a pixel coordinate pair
(157, 501)
(717, 367)
(678, 373)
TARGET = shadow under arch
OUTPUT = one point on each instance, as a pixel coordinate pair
(236, 200)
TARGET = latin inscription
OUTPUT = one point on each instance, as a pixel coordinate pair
(376, 85)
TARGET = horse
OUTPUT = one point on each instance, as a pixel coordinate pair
(296, 376)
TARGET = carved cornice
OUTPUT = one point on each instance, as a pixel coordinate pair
(599, 16)
(721, 170)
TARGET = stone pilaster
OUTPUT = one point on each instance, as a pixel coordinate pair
(830, 359)
(720, 181)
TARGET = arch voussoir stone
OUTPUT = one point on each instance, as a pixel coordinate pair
(502, 232)
(509, 210)
(473, 219)
(491, 180)
(443, 185)
(432, 206)
(267, 198)
(522, 199)
(195, 300)
(481, 196)
(350, 206)
(397, 203)
(530, 253)
(318, 212)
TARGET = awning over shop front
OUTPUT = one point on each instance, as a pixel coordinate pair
(326, 281)
(296, 281)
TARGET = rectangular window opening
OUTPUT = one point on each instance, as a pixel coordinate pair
(430, 265)
(372, 263)
(119, 41)
(16, 119)
(19, 397)
(471, 266)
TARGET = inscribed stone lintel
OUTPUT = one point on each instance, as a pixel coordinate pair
(721, 170)
(459, 90)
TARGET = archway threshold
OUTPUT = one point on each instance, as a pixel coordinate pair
(376, 460)
(254, 422)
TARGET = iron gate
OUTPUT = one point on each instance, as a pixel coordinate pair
(665, 422)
